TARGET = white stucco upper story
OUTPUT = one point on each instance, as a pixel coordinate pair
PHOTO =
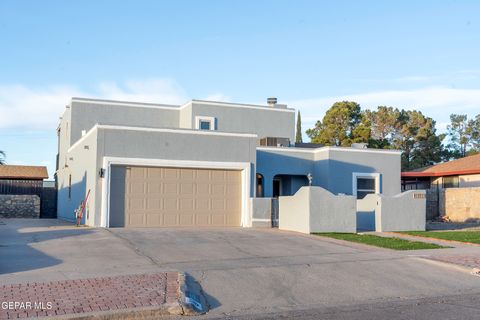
(274, 120)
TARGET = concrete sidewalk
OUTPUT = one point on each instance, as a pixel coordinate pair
(461, 254)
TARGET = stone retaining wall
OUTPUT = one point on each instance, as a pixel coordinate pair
(460, 204)
(19, 206)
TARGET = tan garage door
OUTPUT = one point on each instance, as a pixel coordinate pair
(161, 197)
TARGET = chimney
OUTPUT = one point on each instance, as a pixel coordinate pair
(272, 101)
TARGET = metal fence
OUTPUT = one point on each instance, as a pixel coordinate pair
(275, 209)
(433, 203)
(11, 186)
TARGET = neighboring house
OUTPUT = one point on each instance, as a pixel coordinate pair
(22, 179)
(453, 188)
(198, 164)
(459, 173)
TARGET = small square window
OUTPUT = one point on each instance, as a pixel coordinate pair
(204, 125)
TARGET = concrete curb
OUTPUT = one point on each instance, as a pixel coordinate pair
(145, 313)
(191, 297)
(472, 271)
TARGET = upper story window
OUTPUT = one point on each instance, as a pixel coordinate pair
(450, 182)
(365, 183)
(205, 123)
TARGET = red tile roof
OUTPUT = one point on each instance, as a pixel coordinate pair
(467, 165)
(23, 172)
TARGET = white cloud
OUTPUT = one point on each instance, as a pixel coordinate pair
(152, 90)
(34, 108)
(435, 102)
(218, 97)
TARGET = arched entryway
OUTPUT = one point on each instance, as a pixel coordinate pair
(287, 184)
(260, 185)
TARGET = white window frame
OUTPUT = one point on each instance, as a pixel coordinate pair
(205, 119)
(356, 175)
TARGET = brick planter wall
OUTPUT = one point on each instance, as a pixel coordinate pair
(19, 206)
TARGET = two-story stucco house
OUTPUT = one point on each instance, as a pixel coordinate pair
(198, 164)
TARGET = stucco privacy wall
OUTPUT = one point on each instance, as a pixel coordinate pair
(314, 209)
(403, 212)
(19, 206)
(366, 208)
(248, 119)
(261, 209)
(82, 167)
(460, 204)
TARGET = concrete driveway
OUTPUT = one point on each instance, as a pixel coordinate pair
(242, 271)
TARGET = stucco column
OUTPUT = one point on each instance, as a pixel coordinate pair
(267, 186)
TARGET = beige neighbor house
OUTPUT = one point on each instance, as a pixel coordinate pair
(456, 184)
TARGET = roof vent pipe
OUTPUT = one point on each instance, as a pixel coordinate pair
(272, 101)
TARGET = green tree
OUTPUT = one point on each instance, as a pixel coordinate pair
(383, 123)
(2, 157)
(341, 126)
(298, 136)
(462, 133)
(415, 135)
(475, 135)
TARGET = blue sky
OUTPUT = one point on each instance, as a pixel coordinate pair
(407, 54)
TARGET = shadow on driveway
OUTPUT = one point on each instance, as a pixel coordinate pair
(16, 238)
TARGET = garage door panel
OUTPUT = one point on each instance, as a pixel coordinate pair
(218, 219)
(154, 219)
(202, 175)
(170, 204)
(135, 204)
(170, 188)
(187, 188)
(218, 190)
(202, 204)
(136, 220)
(187, 219)
(136, 173)
(137, 187)
(154, 188)
(166, 197)
(154, 204)
(187, 174)
(186, 205)
(154, 173)
(170, 219)
(202, 188)
(170, 174)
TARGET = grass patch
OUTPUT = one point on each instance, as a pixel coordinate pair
(462, 236)
(384, 242)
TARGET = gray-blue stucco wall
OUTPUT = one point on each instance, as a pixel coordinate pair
(330, 168)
